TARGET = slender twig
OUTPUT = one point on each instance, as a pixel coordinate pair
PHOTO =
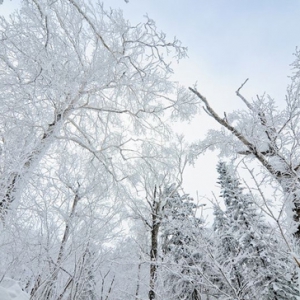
(242, 97)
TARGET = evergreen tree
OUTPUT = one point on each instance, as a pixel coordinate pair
(258, 265)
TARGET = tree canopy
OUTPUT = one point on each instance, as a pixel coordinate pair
(92, 200)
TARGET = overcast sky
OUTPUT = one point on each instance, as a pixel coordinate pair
(228, 41)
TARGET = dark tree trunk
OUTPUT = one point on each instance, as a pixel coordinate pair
(156, 215)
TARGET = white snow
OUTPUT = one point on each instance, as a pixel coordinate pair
(11, 290)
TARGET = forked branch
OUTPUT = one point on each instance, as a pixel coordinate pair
(252, 149)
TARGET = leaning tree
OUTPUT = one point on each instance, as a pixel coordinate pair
(269, 136)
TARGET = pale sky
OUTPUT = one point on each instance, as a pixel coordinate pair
(228, 41)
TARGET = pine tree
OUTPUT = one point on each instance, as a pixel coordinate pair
(258, 265)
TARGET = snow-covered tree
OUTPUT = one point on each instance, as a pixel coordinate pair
(164, 167)
(180, 233)
(73, 71)
(55, 240)
(246, 246)
(270, 136)
(85, 97)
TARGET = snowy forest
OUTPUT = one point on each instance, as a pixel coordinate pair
(92, 171)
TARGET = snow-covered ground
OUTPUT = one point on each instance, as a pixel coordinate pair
(11, 290)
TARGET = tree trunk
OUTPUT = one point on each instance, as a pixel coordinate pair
(153, 256)
(156, 210)
(8, 196)
(138, 279)
(48, 292)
